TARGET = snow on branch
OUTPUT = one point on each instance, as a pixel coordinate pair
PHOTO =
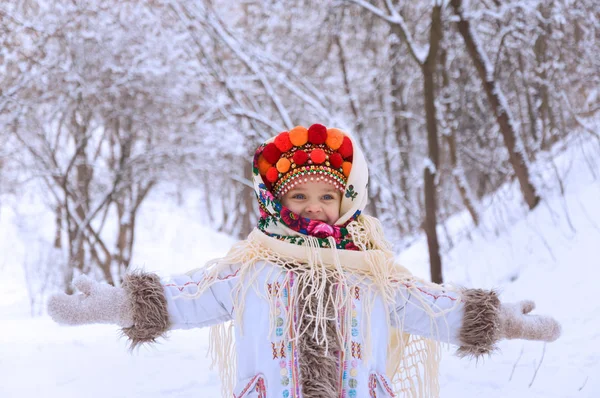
(256, 116)
(236, 47)
(419, 54)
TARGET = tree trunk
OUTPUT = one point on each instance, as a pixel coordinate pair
(401, 126)
(206, 186)
(450, 137)
(58, 222)
(249, 217)
(550, 133)
(531, 111)
(431, 170)
(460, 180)
(497, 101)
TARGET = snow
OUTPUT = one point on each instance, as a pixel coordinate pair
(548, 255)
(428, 164)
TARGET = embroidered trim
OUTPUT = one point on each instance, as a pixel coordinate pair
(259, 387)
(353, 350)
(372, 386)
(182, 287)
(374, 379)
(386, 385)
(408, 286)
(356, 350)
(273, 288)
(344, 244)
(292, 346)
(343, 371)
(310, 171)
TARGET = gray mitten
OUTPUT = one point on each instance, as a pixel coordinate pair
(97, 303)
(516, 323)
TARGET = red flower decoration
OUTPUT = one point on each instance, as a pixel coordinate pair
(323, 230)
(351, 246)
(271, 153)
(317, 134)
(263, 214)
(300, 157)
(317, 156)
(293, 220)
(283, 143)
(345, 149)
(336, 160)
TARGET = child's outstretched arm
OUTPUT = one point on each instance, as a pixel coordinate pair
(145, 307)
(473, 319)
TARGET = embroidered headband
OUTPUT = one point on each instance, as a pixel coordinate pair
(302, 155)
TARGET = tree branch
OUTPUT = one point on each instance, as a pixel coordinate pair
(418, 54)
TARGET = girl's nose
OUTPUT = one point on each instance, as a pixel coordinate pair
(313, 208)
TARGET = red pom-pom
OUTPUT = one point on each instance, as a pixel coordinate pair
(300, 157)
(317, 134)
(271, 153)
(336, 160)
(283, 143)
(345, 149)
(272, 174)
(317, 156)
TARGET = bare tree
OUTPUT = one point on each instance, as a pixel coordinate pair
(99, 131)
(110, 100)
(497, 100)
(427, 59)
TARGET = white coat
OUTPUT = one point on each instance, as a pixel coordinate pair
(266, 363)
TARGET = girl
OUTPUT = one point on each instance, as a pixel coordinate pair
(312, 303)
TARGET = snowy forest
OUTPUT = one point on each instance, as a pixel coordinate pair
(106, 104)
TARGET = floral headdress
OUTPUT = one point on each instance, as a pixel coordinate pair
(302, 155)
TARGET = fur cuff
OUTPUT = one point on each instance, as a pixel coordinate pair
(481, 323)
(149, 306)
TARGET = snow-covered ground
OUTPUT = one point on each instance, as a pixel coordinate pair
(549, 255)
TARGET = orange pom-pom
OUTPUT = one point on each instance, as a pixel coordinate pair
(283, 165)
(346, 148)
(346, 167)
(317, 134)
(272, 174)
(299, 135)
(263, 165)
(335, 137)
(317, 156)
(283, 142)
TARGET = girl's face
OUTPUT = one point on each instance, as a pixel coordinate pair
(316, 200)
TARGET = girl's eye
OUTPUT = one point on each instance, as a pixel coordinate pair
(327, 197)
(298, 196)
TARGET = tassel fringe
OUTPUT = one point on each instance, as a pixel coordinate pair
(321, 296)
